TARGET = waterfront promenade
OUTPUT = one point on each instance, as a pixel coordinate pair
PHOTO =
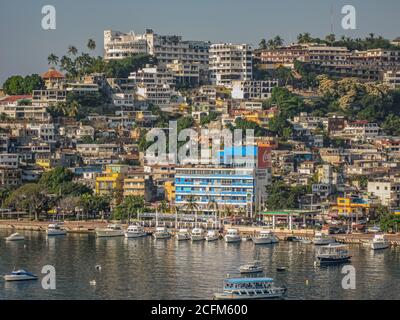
(89, 227)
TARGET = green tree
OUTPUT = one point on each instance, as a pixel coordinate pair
(52, 59)
(91, 44)
(72, 50)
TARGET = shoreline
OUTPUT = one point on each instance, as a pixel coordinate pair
(88, 227)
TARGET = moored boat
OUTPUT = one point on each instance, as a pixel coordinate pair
(15, 237)
(161, 233)
(197, 234)
(265, 237)
(379, 242)
(20, 275)
(322, 239)
(249, 289)
(333, 253)
(232, 235)
(134, 231)
(112, 230)
(55, 230)
(212, 235)
(183, 234)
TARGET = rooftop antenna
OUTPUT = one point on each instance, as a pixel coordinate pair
(331, 18)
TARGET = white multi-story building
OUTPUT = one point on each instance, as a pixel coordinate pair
(44, 131)
(229, 62)
(257, 90)
(185, 74)
(119, 45)
(392, 78)
(9, 160)
(388, 192)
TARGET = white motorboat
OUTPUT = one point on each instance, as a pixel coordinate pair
(333, 253)
(20, 275)
(55, 230)
(322, 239)
(134, 231)
(112, 230)
(379, 242)
(183, 234)
(249, 289)
(197, 234)
(161, 233)
(212, 235)
(15, 237)
(254, 267)
(265, 237)
(232, 235)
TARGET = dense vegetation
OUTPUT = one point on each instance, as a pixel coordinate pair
(18, 85)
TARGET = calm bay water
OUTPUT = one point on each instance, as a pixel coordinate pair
(149, 269)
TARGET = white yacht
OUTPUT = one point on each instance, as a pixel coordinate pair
(20, 275)
(333, 253)
(212, 235)
(55, 230)
(112, 230)
(322, 239)
(254, 267)
(161, 233)
(232, 235)
(249, 289)
(15, 237)
(197, 234)
(379, 242)
(265, 237)
(134, 231)
(183, 234)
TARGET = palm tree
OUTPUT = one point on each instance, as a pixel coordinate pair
(263, 44)
(91, 44)
(73, 108)
(213, 205)
(52, 59)
(72, 50)
(278, 41)
(192, 206)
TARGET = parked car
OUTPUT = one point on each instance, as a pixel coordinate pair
(374, 229)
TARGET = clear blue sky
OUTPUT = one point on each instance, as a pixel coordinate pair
(24, 45)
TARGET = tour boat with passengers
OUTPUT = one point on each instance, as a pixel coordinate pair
(161, 233)
(112, 230)
(265, 237)
(379, 242)
(20, 275)
(333, 253)
(55, 230)
(135, 231)
(232, 235)
(183, 234)
(15, 237)
(249, 289)
(322, 239)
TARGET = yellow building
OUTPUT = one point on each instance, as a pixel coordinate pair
(169, 187)
(135, 184)
(347, 206)
(111, 181)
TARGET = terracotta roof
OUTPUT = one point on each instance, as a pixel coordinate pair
(52, 74)
(10, 99)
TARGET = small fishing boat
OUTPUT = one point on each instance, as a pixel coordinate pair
(379, 242)
(55, 230)
(112, 230)
(15, 237)
(254, 267)
(20, 275)
(249, 289)
(212, 235)
(197, 234)
(134, 231)
(333, 253)
(183, 234)
(161, 233)
(232, 235)
(281, 269)
(293, 239)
